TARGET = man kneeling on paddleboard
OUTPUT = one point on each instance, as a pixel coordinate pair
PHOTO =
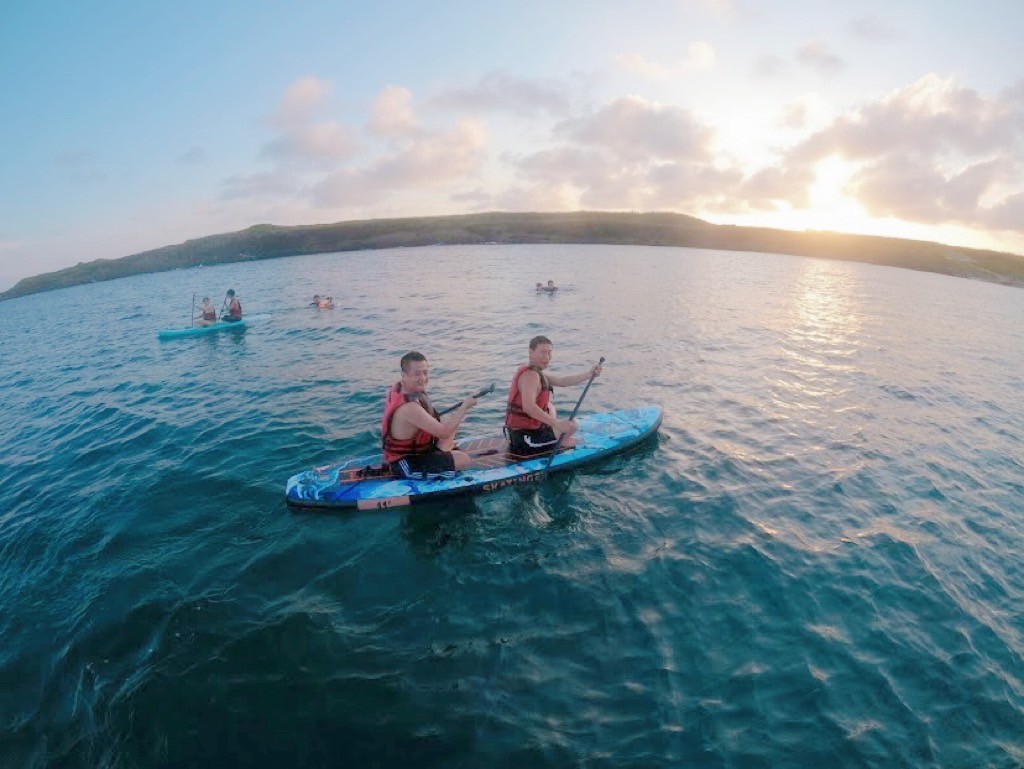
(417, 441)
(531, 421)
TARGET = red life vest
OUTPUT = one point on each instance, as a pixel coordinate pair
(420, 443)
(211, 315)
(235, 310)
(515, 417)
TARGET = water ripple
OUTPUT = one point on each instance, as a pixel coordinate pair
(814, 563)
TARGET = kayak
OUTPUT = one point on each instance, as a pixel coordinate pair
(174, 333)
(363, 483)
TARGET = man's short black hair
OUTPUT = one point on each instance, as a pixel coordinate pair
(539, 340)
(412, 357)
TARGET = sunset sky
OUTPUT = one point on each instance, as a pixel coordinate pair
(132, 125)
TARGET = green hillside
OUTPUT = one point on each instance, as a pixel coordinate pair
(266, 241)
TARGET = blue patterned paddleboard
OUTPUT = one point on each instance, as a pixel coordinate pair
(348, 484)
(174, 333)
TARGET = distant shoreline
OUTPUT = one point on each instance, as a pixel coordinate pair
(266, 241)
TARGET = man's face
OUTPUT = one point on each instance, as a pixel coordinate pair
(416, 376)
(540, 356)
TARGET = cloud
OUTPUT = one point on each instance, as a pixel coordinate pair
(770, 66)
(314, 143)
(500, 91)
(301, 139)
(270, 184)
(431, 160)
(699, 56)
(635, 129)
(818, 56)
(392, 115)
(193, 156)
(933, 151)
(874, 29)
(301, 99)
(932, 116)
(629, 153)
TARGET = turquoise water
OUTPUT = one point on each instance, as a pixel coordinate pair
(815, 563)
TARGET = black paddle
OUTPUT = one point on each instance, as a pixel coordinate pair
(544, 472)
(192, 314)
(482, 393)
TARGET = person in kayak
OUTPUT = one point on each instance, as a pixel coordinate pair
(233, 314)
(531, 420)
(417, 442)
(207, 313)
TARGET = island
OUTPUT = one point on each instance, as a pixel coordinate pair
(267, 241)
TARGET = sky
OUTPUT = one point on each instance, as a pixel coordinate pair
(127, 125)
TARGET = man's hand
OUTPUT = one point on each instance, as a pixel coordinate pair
(567, 426)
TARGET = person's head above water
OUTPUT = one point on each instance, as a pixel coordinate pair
(231, 292)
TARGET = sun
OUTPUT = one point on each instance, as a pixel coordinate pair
(830, 207)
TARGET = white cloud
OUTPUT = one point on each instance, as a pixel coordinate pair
(933, 152)
(770, 66)
(501, 91)
(635, 129)
(874, 29)
(699, 56)
(392, 114)
(818, 56)
(430, 161)
(315, 143)
(300, 138)
(301, 99)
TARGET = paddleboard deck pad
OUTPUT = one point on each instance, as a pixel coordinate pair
(360, 483)
(174, 333)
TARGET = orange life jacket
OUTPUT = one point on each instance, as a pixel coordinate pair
(515, 417)
(420, 443)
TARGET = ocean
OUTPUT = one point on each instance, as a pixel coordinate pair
(816, 562)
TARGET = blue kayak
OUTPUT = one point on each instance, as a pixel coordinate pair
(362, 483)
(221, 325)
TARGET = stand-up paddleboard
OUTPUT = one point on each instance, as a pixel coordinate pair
(221, 325)
(361, 483)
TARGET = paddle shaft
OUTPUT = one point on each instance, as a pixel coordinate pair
(572, 416)
(483, 392)
(192, 313)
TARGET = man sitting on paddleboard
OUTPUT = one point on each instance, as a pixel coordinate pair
(418, 443)
(234, 311)
(531, 421)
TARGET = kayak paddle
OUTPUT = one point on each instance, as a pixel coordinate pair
(572, 416)
(482, 393)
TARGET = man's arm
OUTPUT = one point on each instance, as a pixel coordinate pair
(417, 416)
(572, 379)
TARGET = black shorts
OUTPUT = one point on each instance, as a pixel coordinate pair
(526, 443)
(420, 466)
